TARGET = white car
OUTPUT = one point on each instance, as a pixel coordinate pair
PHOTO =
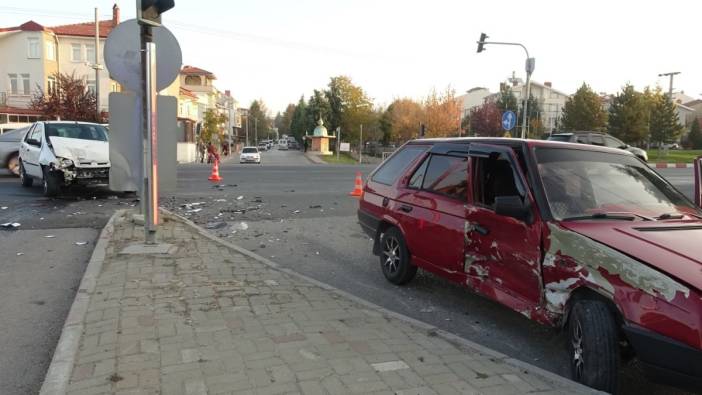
(283, 144)
(250, 155)
(63, 153)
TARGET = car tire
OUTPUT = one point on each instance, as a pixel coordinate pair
(395, 258)
(25, 179)
(13, 164)
(593, 345)
(51, 185)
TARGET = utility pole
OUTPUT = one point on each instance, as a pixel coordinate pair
(670, 84)
(247, 129)
(360, 146)
(97, 65)
(338, 141)
(255, 131)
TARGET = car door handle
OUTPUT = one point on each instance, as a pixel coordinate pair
(386, 201)
(406, 208)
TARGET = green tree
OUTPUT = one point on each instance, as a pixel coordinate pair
(534, 108)
(349, 107)
(629, 116)
(213, 127)
(695, 137)
(259, 123)
(506, 101)
(663, 125)
(385, 125)
(285, 123)
(299, 119)
(583, 111)
(317, 107)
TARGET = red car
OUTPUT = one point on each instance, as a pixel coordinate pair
(584, 238)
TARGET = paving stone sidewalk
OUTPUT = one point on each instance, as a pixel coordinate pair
(211, 320)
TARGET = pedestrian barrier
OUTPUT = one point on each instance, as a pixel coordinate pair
(214, 177)
(358, 185)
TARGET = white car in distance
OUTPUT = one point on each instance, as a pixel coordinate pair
(64, 153)
(250, 155)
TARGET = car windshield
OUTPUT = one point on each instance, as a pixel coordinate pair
(581, 184)
(82, 131)
(249, 150)
(559, 137)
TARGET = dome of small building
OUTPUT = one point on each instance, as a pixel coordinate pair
(320, 130)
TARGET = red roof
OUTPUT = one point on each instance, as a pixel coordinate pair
(192, 70)
(86, 29)
(30, 26)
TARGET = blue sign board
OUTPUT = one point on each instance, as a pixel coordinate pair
(509, 119)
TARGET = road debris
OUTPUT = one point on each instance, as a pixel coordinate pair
(296, 212)
(220, 200)
(10, 225)
(3, 208)
(81, 243)
(20, 253)
(241, 226)
(316, 206)
(216, 225)
(240, 197)
(49, 236)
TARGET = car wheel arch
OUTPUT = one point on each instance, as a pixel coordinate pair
(383, 226)
(590, 293)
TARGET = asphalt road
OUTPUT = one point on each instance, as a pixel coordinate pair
(288, 209)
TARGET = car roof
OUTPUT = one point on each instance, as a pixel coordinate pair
(68, 121)
(514, 142)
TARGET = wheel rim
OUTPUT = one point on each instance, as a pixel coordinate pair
(14, 166)
(46, 186)
(391, 252)
(577, 343)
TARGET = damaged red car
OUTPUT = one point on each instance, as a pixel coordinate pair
(588, 239)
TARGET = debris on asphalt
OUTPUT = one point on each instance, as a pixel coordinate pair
(81, 243)
(261, 246)
(10, 225)
(49, 236)
(216, 225)
(283, 205)
(241, 226)
(3, 208)
(195, 210)
(270, 283)
(220, 200)
(316, 206)
(296, 212)
(427, 310)
(257, 199)
(20, 253)
(240, 197)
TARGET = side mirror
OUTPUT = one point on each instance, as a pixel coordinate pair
(512, 206)
(33, 142)
(698, 181)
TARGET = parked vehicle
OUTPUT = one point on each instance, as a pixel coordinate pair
(9, 149)
(583, 238)
(262, 146)
(8, 127)
(61, 154)
(601, 139)
(250, 155)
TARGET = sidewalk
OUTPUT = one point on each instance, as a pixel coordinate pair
(215, 319)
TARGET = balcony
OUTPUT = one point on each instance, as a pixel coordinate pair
(15, 100)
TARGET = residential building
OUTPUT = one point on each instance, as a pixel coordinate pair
(473, 97)
(33, 53)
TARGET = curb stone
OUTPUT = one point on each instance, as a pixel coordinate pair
(456, 340)
(61, 367)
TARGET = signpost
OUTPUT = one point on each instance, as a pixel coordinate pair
(509, 120)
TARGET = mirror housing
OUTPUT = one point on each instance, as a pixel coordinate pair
(698, 181)
(513, 206)
(33, 142)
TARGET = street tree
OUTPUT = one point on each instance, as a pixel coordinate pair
(299, 119)
(486, 121)
(385, 125)
(534, 118)
(404, 117)
(629, 116)
(317, 107)
(694, 139)
(349, 107)
(442, 113)
(213, 128)
(258, 119)
(70, 100)
(583, 111)
(506, 101)
(284, 126)
(663, 126)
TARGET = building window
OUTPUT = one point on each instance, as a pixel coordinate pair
(193, 80)
(50, 50)
(51, 85)
(13, 83)
(90, 84)
(75, 53)
(25, 83)
(33, 48)
(90, 53)
(114, 87)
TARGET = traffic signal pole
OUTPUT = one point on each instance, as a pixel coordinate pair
(150, 194)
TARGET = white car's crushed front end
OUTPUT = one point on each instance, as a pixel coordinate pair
(78, 161)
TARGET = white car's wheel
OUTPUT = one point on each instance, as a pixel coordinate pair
(13, 164)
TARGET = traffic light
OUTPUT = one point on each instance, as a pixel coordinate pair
(483, 37)
(422, 130)
(149, 11)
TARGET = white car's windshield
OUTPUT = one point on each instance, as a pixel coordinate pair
(249, 151)
(81, 131)
(585, 183)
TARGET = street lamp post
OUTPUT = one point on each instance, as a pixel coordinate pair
(360, 146)
(529, 66)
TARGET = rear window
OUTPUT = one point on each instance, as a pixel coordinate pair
(397, 164)
(447, 175)
(250, 150)
(76, 131)
(560, 137)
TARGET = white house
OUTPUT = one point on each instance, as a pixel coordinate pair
(473, 97)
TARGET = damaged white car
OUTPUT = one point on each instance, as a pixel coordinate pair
(61, 154)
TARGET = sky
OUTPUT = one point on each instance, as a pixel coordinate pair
(278, 50)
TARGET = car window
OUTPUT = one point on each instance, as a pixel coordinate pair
(249, 150)
(30, 133)
(493, 177)
(447, 175)
(597, 139)
(392, 168)
(82, 131)
(582, 139)
(560, 137)
(417, 178)
(613, 143)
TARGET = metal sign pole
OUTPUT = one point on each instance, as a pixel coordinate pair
(150, 164)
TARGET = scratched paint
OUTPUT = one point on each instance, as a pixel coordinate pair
(595, 256)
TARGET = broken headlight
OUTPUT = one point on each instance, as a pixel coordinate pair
(64, 163)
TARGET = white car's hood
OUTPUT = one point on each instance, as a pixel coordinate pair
(79, 150)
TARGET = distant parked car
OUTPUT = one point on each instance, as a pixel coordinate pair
(250, 155)
(601, 139)
(62, 153)
(8, 127)
(283, 144)
(262, 146)
(9, 149)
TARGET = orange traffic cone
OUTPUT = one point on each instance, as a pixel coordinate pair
(214, 177)
(358, 187)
